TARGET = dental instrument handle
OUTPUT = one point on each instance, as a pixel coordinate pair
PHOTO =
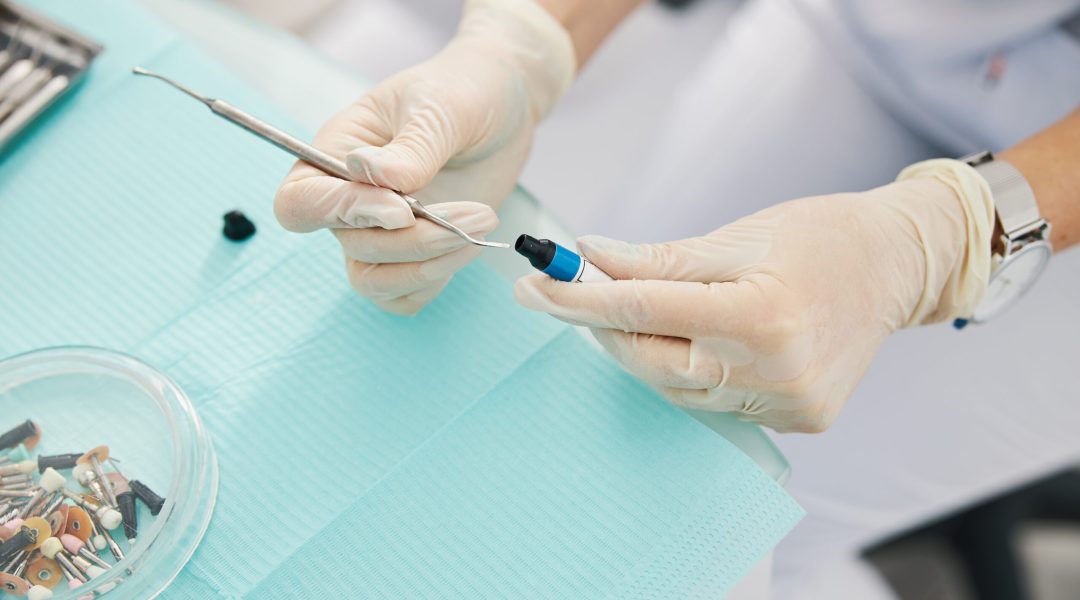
(27, 110)
(327, 163)
(298, 148)
(308, 153)
(14, 74)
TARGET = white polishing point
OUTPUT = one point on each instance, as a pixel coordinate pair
(51, 547)
(39, 592)
(51, 480)
(99, 542)
(110, 518)
(83, 473)
(94, 571)
(28, 466)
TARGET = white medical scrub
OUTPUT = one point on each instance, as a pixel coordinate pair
(804, 97)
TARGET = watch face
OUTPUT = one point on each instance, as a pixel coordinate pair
(1014, 277)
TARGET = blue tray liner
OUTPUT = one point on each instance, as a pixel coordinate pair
(477, 450)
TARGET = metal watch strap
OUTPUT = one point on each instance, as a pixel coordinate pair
(1015, 207)
(1014, 200)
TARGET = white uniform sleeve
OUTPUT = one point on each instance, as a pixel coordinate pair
(968, 74)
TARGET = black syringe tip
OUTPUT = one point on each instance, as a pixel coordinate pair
(147, 496)
(237, 226)
(58, 461)
(128, 514)
(524, 244)
(539, 252)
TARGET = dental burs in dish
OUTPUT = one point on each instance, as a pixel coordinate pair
(52, 531)
(307, 153)
(39, 61)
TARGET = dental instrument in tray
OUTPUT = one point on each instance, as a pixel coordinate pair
(39, 61)
(307, 153)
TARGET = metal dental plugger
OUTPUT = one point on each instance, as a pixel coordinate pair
(307, 153)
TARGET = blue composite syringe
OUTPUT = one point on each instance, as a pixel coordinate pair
(557, 261)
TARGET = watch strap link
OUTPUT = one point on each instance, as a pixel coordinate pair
(1013, 198)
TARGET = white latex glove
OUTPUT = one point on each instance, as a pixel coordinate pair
(453, 131)
(776, 317)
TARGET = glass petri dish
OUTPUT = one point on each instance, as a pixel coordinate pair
(83, 397)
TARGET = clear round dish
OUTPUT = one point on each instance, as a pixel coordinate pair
(82, 397)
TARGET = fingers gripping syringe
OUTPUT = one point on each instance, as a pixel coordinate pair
(308, 153)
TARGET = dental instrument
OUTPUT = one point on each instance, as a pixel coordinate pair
(39, 62)
(307, 153)
(21, 115)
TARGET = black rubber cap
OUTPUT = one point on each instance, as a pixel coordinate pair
(237, 226)
(18, 434)
(57, 461)
(148, 497)
(126, 502)
(24, 537)
(539, 252)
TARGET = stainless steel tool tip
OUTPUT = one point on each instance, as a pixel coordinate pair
(179, 86)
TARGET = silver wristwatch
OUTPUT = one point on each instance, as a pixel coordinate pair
(1020, 249)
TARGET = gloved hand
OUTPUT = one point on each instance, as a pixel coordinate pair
(775, 317)
(453, 131)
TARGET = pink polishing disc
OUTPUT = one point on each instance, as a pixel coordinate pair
(71, 543)
(14, 524)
